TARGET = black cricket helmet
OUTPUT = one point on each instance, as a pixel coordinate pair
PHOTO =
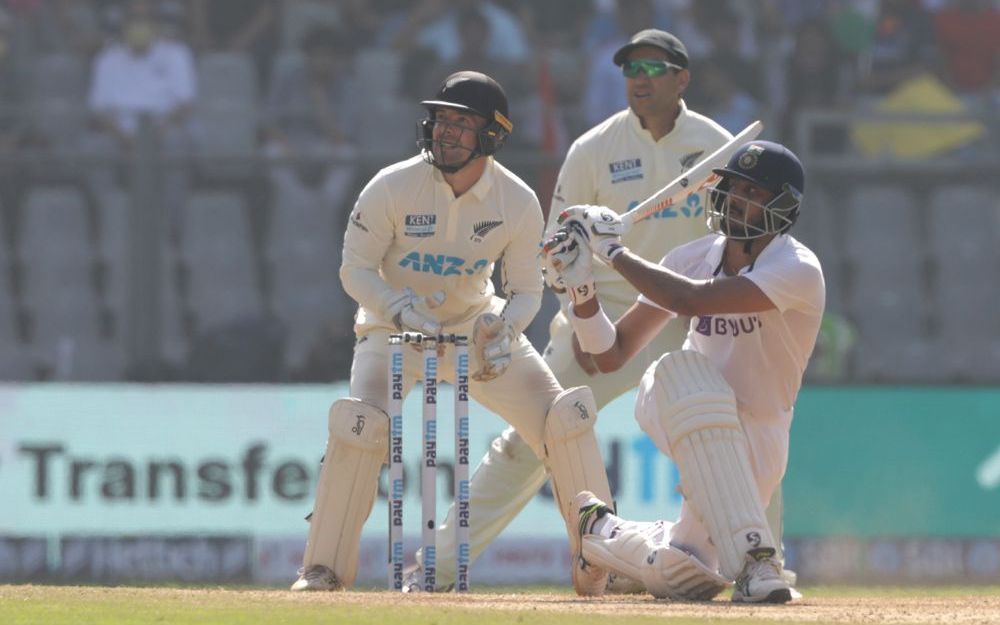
(771, 166)
(474, 92)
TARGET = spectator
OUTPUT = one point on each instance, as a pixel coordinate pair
(968, 35)
(604, 27)
(723, 99)
(312, 111)
(374, 21)
(434, 24)
(902, 49)
(474, 36)
(814, 82)
(66, 26)
(144, 75)
(555, 23)
(744, 71)
(605, 96)
(246, 26)
(13, 131)
(694, 20)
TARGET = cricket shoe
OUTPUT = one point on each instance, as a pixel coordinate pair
(412, 581)
(588, 580)
(317, 577)
(761, 581)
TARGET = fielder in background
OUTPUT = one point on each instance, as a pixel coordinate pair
(419, 254)
(722, 406)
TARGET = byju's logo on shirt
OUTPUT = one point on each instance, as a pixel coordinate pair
(420, 225)
(720, 326)
(628, 169)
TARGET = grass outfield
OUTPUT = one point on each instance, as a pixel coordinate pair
(86, 605)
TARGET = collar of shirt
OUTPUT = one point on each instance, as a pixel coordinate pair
(482, 186)
(636, 123)
(714, 257)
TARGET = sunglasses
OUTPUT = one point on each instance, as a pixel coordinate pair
(652, 67)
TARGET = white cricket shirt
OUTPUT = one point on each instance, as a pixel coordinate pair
(408, 229)
(618, 164)
(127, 85)
(762, 355)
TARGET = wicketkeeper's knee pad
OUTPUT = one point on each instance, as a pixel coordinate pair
(356, 448)
(572, 456)
(688, 406)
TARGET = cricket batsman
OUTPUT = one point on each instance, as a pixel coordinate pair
(721, 406)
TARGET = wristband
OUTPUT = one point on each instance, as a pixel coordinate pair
(596, 334)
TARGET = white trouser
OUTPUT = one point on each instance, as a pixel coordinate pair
(510, 475)
(521, 397)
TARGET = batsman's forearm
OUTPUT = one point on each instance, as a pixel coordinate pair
(664, 287)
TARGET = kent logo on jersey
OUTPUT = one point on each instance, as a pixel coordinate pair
(628, 169)
(420, 225)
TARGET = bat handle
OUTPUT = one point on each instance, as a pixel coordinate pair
(628, 220)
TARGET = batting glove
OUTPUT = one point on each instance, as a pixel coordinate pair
(599, 226)
(492, 339)
(573, 271)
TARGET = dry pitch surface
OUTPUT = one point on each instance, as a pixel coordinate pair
(877, 610)
(54, 605)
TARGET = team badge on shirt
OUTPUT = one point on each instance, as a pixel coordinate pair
(481, 229)
(688, 160)
(628, 169)
(420, 225)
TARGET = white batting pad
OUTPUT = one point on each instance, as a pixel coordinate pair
(355, 450)
(688, 405)
(665, 571)
(572, 456)
(623, 554)
(670, 573)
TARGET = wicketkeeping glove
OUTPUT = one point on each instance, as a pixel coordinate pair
(399, 307)
(600, 226)
(492, 339)
(570, 269)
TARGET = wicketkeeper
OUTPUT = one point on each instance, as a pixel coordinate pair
(419, 254)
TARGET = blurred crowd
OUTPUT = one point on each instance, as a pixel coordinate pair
(326, 90)
(749, 59)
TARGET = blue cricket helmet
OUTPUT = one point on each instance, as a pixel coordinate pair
(771, 166)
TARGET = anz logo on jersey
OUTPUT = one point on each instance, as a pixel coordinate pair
(723, 326)
(692, 207)
(441, 264)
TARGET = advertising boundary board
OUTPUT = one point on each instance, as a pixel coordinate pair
(881, 482)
